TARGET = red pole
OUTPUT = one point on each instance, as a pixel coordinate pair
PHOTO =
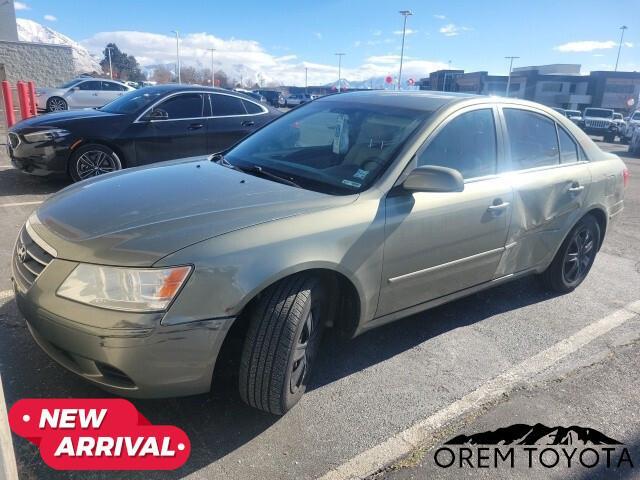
(8, 104)
(24, 100)
(32, 98)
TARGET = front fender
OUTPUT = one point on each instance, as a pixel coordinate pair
(233, 268)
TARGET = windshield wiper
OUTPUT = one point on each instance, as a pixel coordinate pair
(255, 169)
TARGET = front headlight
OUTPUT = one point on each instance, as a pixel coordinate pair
(45, 135)
(129, 289)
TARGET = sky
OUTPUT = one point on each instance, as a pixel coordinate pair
(277, 40)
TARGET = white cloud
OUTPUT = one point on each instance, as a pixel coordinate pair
(50, 18)
(376, 33)
(249, 58)
(439, 17)
(452, 30)
(21, 6)
(585, 46)
(628, 44)
(318, 35)
(409, 31)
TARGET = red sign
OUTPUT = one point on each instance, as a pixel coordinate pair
(98, 434)
(411, 81)
(389, 79)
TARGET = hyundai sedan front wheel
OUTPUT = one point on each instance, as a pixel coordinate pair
(285, 328)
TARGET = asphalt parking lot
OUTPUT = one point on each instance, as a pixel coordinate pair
(368, 390)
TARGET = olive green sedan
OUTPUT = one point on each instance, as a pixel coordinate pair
(349, 212)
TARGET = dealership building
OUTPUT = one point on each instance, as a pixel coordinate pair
(557, 85)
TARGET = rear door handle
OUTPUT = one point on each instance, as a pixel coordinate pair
(196, 126)
(248, 123)
(576, 188)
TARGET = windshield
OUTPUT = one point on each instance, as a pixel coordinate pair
(71, 83)
(334, 146)
(598, 113)
(617, 116)
(635, 116)
(134, 101)
(573, 113)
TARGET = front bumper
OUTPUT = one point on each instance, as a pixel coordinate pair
(600, 131)
(128, 354)
(45, 159)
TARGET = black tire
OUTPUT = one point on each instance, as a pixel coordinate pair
(578, 251)
(92, 160)
(275, 363)
(57, 104)
(609, 138)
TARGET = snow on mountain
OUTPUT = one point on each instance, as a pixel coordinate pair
(30, 31)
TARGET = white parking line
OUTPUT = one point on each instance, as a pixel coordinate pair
(404, 442)
(8, 467)
(20, 204)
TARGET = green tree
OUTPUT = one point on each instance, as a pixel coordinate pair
(125, 67)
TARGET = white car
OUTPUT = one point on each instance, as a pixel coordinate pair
(83, 92)
(632, 123)
(294, 100)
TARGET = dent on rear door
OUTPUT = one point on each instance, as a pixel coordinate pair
(544, 210)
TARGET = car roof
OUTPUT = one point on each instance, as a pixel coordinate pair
(414, 99)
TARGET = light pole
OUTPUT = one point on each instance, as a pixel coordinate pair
(213, 75)
(340, 55)
(306, 79)
(110, 68)
(623, 28)
(511, 59)
(177, 54)
(405, 14)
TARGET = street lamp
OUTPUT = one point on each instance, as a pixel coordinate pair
(306, 79)
(511, 59)
(622, 28)
(213, 75)
(110, 68)
(177, 53)
(405, 14)
(340, 55)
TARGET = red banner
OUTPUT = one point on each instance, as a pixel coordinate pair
(98, 434)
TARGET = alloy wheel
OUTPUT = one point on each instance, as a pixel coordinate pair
(57, 104)
(579, 256)
(305, 350)
(95, 162)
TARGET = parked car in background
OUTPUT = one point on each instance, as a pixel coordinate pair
(274, 97)
(257, 97)
(634, 140)
(82, 92)
(148, 125)
(574, 115)
(296, 99)
(632, 123)
(600, 122)
(621, 125)
(352, 211)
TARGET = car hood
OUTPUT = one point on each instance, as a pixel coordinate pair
(137, 216)
(58, 119)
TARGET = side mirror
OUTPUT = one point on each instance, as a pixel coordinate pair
(431, 178)
(75, 89)
(158, 114)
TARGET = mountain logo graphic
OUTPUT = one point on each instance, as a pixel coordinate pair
(538, 434)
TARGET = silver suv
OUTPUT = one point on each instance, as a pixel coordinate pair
(349, 212)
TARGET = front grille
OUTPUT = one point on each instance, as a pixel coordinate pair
(597, 123)
(14, 139)
(29, 260)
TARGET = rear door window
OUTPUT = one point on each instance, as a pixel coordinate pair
(568, 148)
(533, 140)
(226, 105)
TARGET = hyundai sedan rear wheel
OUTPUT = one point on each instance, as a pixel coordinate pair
(575, 257)
(285, 329)
(93, 160)
(57, 104)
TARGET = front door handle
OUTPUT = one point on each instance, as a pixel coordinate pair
(248, 123)
(498, 207)
(196, 126)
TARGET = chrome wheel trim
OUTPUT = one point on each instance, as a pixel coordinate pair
(96, 162)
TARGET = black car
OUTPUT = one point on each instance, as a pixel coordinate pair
(274, 98)
(148, 125)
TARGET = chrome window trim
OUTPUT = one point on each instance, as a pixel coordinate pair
(203, 92)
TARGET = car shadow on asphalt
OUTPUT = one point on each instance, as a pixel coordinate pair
(219, 423)
(16, 183)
